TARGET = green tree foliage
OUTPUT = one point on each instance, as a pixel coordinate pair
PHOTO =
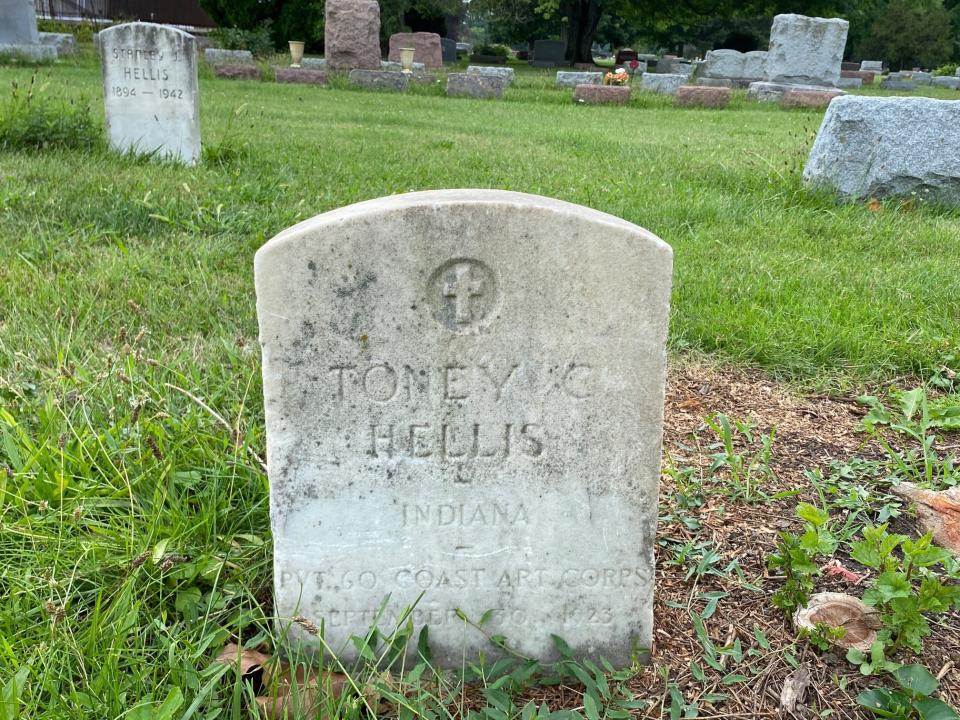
(910, 33)
(304, 19)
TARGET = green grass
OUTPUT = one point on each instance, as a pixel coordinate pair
(125, 282)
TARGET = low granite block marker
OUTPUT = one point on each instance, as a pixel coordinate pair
(874, 66)
(888, 147)
(380, 80)
(774, 92)
(807, 98)
(696, 96)
(948, 82)
(219, 56)
(566, 79)
(505, 73)
(477, 86)
(64, 43)
(464, 399)
(602, 94)
(237, 72)
(662, 83)
(301, 76)
(150, 90)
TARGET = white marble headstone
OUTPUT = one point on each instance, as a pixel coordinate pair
(150, 90)
(464, 398)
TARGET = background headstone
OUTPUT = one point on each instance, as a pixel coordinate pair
(351, 34)
(380, 80)
(219, 56)
(426, 46)
(567, 79)
(880, 147)
(18, 23)
(661, 83)
(806, 50)
(874, 66)
(474, 85)
(464, 397)
(497, 71)
(448, 48)
(549, 53)
(150, 90)
(64, 43)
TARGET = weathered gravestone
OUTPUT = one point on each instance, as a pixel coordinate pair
(549, 53)
(885, 147)
(464, 397)
(351, 34)
(150, 90)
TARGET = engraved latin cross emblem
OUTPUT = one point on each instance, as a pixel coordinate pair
(462, 290)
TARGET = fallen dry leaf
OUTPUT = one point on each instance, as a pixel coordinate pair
(939, 512)
(249, 661)
(794, 688)
(874, 205)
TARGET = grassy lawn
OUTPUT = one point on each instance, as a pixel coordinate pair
(134, 536)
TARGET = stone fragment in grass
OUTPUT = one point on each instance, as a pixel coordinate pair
(710, 97)
(602, 94)
(464, 398)
(878, 147)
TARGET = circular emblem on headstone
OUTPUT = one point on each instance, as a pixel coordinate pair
(463, 294)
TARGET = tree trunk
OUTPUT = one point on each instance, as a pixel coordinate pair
(583, 16)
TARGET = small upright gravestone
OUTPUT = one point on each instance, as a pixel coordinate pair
(464, 398)
(150, 90)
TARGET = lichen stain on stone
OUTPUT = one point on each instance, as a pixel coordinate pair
(361, 284)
